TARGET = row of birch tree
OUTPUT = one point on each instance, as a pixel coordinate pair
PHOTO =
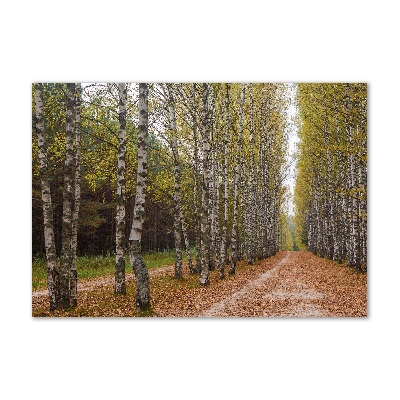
(232, 138)
(331, 188)
(215, 153)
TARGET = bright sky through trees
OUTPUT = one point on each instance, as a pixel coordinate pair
(292, 132)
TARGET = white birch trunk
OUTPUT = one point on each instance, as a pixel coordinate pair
(364, 211)
(215, 207)
(251, 209)
(177, 187)
(135, 237)
(211, 177)
(196, 194)
(205, 221)
(343, 216)
(120, 236)
(234, 235)
(67, 200)
(223, 252)
(51, 259)
(211, 210)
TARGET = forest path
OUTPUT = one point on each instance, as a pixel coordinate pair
(259, 290)
(289, 284)
(299, 285)
(245, 293)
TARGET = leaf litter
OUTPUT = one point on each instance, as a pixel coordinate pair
(289, 284)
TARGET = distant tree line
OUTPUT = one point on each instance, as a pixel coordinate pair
(331, 186)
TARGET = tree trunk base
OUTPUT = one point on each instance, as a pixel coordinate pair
(143, 310)
(204, 282)
(121, 291)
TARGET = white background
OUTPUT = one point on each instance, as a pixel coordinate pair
(251, 41)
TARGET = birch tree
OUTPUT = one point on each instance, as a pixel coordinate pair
(234, 236)
(167, 96)
(65, 269)
(138, 265)
(177, 186)
(331, 185)
(51, 258)
(120, 286)
(205, 219)
(196, 173)
(223, 250)
(251, 205)
(223, 183)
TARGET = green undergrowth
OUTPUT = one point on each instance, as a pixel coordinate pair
(95, 266)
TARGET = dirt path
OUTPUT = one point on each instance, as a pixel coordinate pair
(289, 284)
(243, 294)
(301, 298)
(299, 285)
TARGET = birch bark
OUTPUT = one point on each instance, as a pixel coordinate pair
(177, 187)
(135, 237)
(120, 236)
(65, 269)
(251, 209)
(205, 221)
(211, 176)
(51, 259)
(197, 189)
(211, 210)
(234, 235)
(364, 213)
(223, 255)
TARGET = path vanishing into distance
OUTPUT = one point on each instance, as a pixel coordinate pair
(255, 290)
(295, 286)
(289, 284)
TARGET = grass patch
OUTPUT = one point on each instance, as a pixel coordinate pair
(95, 266)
